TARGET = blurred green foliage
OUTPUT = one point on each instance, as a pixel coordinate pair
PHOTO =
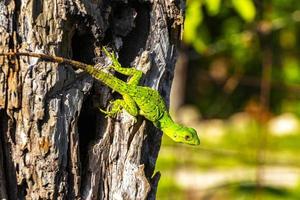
(243, 58)
(236, 150)
(194, 33)
(230, 42)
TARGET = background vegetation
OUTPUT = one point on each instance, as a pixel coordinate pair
(241, 60)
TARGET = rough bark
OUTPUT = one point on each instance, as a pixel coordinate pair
(54, 143)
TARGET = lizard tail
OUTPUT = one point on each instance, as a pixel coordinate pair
(106, 78)
(45, 57)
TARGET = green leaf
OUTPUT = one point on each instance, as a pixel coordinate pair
(245, 8)
(291, 70)
(213, 6)
(192, 21)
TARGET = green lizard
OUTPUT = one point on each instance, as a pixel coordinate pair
(137, 100)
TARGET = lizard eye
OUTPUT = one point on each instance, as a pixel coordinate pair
(187, 137)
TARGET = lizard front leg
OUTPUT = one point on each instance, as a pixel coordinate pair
(135, 74)
(117, 105)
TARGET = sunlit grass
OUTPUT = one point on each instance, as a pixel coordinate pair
(234, 150)
(168, 189)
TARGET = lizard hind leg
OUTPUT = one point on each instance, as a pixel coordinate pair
(117, 105)
(115, 108)
(135, 74)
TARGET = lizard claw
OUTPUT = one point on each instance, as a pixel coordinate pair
(102, 68)
(134, 119)
(99, 66)
(107, 113)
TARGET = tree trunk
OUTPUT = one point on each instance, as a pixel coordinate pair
(54, 142)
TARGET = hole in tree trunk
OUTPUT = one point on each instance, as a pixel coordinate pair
(137, 38)
(87, 127)
(8, 172)
(83, 47)
(88, 122)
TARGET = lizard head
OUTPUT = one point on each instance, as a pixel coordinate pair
(183, 134)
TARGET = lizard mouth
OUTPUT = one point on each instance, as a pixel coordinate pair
(197, 142)
(193, 142)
